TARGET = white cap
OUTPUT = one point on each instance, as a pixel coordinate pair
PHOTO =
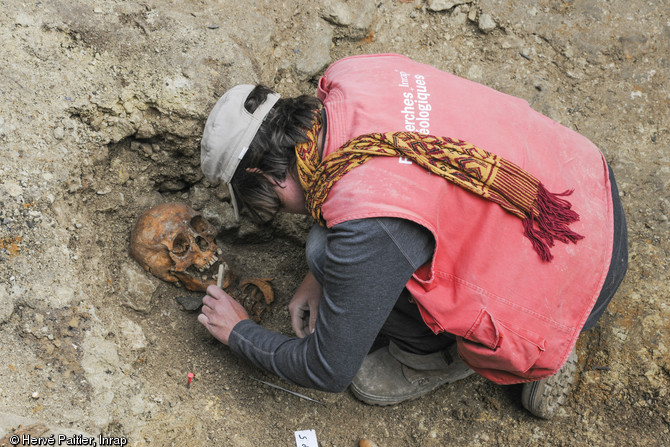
(229, 131)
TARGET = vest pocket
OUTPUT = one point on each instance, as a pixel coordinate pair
(493, 344)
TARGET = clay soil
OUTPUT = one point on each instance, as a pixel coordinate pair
(102, 106)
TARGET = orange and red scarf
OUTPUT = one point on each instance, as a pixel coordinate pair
(545, 215)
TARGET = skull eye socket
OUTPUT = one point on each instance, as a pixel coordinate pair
(180, 244)
(202, 243)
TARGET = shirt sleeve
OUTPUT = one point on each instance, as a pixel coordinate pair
(367, 264)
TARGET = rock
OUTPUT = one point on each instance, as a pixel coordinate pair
(101, 363)
(148, 200)
(475, 73)
(222, 193)
(198, 196)
(337, 13)
(13, 189)
(655, 376)
(59, 133)
(459, 15)
(139, 287)
(190, 302)
(33, 324)
(62, 296)
(443, 5)
(6, 305)
(486, 23)
(221, 215)
(635, 45)
(364, 17)
(118, 168)
(132, 335)
(73, 322)
(145, 130)
(315, 55)
(119, 128)
(25, 20)
(172, 185)
(137, 405)
(141, 148)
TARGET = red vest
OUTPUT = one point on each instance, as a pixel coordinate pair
(516, 318)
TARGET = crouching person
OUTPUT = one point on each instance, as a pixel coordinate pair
(455, 227)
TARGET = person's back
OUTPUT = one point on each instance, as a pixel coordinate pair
(487, 266)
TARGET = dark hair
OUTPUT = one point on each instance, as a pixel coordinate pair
(272, 151)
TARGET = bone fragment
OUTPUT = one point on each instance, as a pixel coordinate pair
(219, 277)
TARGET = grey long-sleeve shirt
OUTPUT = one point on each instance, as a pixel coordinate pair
(367, 264)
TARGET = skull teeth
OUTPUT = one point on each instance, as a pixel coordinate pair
(209, 264)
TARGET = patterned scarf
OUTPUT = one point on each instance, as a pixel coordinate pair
(545, 215)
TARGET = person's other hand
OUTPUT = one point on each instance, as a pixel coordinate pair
(304, 306)
(220, 313)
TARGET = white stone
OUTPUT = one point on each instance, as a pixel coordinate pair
(314, 56)
(365, 12)
(132, 335)
(337, 13)
(139, 287)
(26, 20)
(101, 363)
(137, 405)
(63, 296)
(475, 73)
(443, 5)
(59, 133)
(486, 23)
(13, 189)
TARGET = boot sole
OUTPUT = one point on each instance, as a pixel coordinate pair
(544, 397)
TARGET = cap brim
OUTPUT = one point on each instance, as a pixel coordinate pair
(233, 201)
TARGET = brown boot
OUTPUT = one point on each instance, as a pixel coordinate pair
(390, 375)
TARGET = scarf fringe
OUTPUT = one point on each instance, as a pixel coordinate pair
(554, 216)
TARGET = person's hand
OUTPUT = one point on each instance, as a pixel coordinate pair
(304, 306)
(220, 313)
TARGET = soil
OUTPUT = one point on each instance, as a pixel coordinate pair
(103, 104)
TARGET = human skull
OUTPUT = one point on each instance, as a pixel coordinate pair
(175, 243)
